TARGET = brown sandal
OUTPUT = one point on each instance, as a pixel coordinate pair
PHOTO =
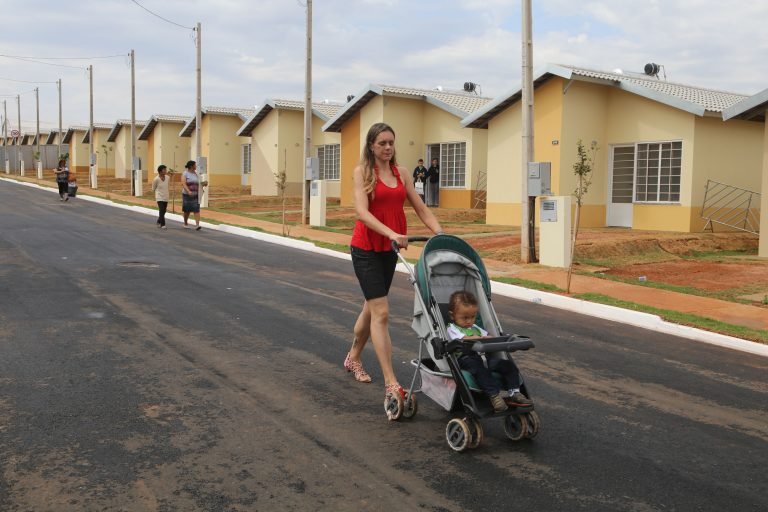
(356, 367)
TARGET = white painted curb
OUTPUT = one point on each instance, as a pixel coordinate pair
(625, 316)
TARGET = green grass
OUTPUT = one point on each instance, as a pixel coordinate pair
(719, 256)
(676, 317)
(534, 285)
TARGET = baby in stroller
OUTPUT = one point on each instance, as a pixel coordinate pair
(462, 311)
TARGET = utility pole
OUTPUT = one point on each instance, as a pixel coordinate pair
(133, 120)
(307, 119)
(527, 235)
(5, 135)
(37, 115)
(18, 139)
(90, 131)
(58, 85)
(199, 95)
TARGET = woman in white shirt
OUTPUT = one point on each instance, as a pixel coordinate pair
(160, 188)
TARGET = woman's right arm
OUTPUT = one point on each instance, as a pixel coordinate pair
(366, 217)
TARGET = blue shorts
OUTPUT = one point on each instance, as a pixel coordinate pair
(374, 271)
(190, 204)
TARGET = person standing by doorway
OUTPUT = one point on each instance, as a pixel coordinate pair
(420, 179)
(190, 184)
(160, 188)
(433, 184)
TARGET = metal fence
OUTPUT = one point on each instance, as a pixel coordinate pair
(730, 206)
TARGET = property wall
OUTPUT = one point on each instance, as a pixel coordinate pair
(264, 156)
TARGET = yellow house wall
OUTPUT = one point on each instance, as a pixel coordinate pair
(763, 245)
(351, 148)
(169, 148)
(505, 152)
(105, 163)
(123, 162)
(264, 156)
(78, 154)
(222, 147)
(290, 148)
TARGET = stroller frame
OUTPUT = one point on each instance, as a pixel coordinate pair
(442, 365)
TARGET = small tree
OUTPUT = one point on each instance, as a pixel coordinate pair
(281, 179)
(583, 167)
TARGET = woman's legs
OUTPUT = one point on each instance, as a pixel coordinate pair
(362, 333)
(379, 330)
(185, 214)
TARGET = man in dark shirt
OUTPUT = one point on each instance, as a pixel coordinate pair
(420, 178)
(433, 184)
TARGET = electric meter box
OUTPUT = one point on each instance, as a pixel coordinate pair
(312, 168)
(539, 179)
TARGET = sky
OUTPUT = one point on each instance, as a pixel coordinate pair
(255, 50)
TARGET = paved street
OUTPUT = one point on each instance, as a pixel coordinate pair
(178, 370)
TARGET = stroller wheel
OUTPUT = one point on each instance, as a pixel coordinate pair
(515, 426)
(410, 406)
(457, 434)
(476, 430)
(533, 424)
(393, 406)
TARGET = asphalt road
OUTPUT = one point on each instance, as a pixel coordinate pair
(178, 370)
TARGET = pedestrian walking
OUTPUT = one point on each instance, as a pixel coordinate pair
(160, 188)
(62, 180)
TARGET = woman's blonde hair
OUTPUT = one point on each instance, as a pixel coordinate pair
(368, 160)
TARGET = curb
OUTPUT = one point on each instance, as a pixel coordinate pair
(606, 312)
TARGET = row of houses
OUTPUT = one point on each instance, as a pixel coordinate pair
(659, 143)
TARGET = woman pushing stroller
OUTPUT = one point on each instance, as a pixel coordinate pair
(381, 187)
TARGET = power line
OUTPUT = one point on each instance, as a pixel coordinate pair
(63, 58)
(26, 81)
(41, 62)
(164, 19)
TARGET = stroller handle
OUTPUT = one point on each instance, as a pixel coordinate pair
(396, 247)
(511, 343)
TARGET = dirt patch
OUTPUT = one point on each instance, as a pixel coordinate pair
(712, 276)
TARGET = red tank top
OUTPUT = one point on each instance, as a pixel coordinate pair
(387, 207)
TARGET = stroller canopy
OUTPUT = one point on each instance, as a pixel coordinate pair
(453, 244)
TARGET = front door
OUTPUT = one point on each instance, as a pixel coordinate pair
(622, 177)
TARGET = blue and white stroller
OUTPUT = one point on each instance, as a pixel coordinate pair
(448, 264)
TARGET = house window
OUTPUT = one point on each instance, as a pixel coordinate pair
(329, 157)
(657, 172)
(453, 163)
(246, 158)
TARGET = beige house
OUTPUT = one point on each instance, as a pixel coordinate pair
(164, 145)
(276, 144)
(78, 152)
(120, 136)
(754, 109)
(427, 124)
(220, 144)
(659, 144)
(102, 148)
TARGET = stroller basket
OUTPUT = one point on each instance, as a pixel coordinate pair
(436, 384)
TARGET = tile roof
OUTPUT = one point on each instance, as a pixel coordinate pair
(696, 100)
(96, 126)
(322, 110)
(752, 108)
(242, 113)
(115, 131)
(160, 118)
(458, 103)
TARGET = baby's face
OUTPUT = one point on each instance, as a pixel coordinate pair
(465, 315)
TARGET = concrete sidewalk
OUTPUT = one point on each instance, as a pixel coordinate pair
(729, 312)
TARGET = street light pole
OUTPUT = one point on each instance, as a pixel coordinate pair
(133, 122)
(90, 131)
(18, 139)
